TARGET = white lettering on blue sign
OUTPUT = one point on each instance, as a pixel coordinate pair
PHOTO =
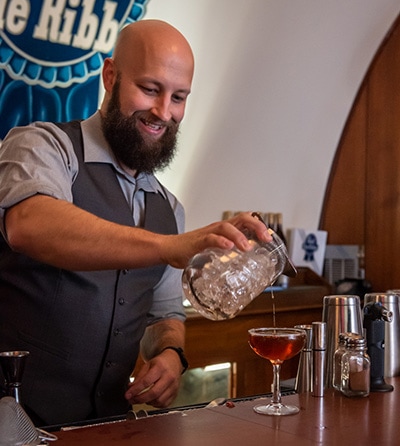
(57, 20)
(14, 15)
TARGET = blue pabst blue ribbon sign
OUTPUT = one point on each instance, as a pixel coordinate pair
(51, 56)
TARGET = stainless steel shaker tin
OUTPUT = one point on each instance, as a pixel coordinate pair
(303, 382)
(342, 313)
(319, 357)
(390, 300)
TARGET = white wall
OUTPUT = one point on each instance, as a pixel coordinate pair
(275, 81)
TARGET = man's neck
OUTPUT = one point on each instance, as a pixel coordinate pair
(132, 172)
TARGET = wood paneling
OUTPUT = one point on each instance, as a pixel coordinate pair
(362, 200)
(343, 212)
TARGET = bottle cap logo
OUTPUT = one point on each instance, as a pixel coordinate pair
(56, 44)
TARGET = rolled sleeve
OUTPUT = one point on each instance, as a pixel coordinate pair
(168, 294)
(167, 298)
(37, 159)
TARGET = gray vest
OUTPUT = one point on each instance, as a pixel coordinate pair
(82, 328)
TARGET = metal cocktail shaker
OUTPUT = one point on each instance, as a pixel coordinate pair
(319, 357)
(390, 301)
(342, 314)
(304, 374)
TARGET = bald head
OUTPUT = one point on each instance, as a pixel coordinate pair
(153, 38)
(150, 51)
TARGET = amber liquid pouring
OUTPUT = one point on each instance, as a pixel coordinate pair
(273, 309)
(277, 346)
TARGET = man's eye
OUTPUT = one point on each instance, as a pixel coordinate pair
(177, 98)
(148, 90)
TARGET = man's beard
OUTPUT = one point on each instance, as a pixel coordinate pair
(129, 146)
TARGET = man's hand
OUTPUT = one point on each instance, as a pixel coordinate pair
(157, 382)
(177, 250)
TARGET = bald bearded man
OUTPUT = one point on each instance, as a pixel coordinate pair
(92, 243)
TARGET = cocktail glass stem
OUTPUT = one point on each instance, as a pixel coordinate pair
(276, 392)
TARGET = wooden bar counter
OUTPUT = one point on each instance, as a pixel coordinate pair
(212, 342)
(331, 420)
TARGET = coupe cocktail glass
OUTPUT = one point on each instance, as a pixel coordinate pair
(276, 345)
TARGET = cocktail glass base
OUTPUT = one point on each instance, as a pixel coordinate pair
(276, 409)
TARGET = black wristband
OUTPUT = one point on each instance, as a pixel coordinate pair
(181, 355)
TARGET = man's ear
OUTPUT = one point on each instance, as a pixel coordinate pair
(109, 74)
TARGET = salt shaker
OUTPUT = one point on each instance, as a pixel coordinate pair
(356, 367)
(337, 362)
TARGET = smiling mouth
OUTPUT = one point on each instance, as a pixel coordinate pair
(153, 126)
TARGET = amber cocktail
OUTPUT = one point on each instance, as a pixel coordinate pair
(276, 345)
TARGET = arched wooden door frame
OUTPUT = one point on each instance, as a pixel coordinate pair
(362, 199)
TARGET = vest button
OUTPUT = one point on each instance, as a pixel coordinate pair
(108, 364)
(121, 301)
(117, 332)
(125, 271)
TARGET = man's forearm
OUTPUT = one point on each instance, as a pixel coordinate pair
(165, 333)
(60, 234)
(63, 235)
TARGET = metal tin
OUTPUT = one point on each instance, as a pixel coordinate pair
(342, 313)
(319, 354)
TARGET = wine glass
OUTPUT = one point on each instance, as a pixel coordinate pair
(276, 345)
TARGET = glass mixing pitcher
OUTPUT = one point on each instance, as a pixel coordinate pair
(220, 283)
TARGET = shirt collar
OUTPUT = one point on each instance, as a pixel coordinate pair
(97, 150)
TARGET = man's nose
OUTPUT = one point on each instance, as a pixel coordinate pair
(162, 109)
